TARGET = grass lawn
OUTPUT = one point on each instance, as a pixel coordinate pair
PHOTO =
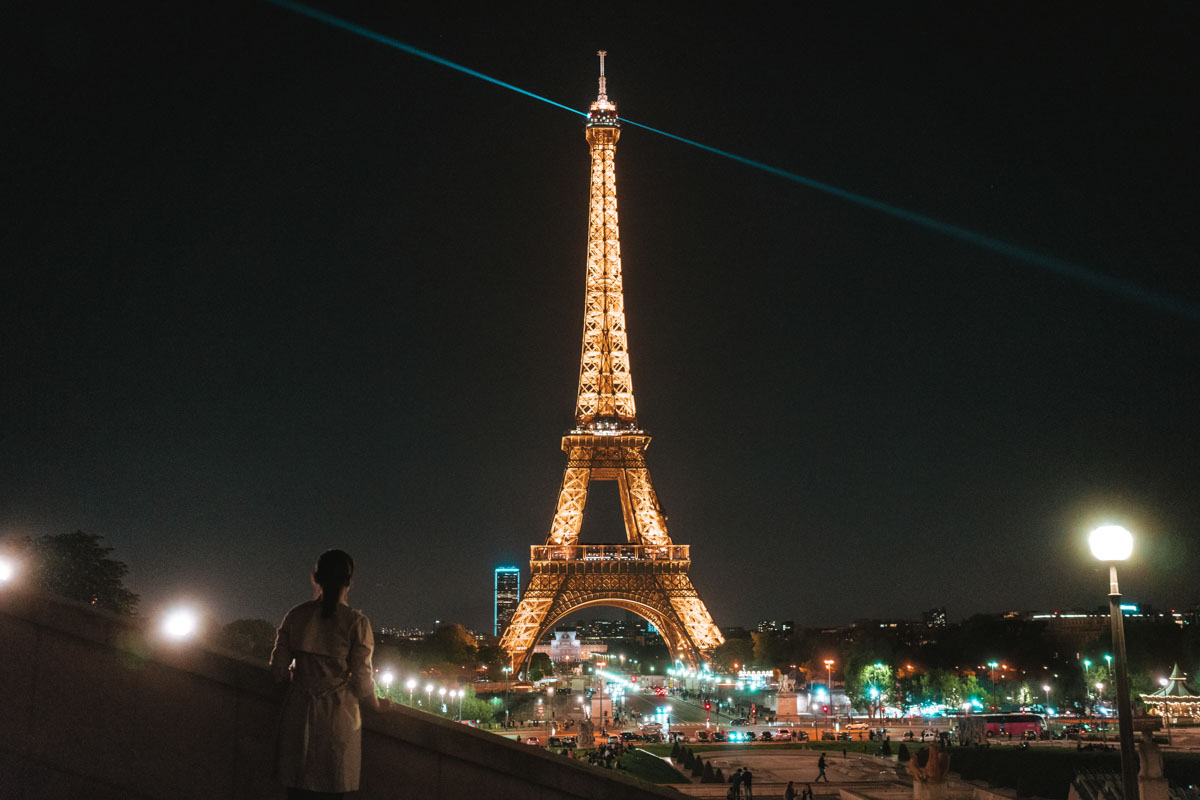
(651, 769)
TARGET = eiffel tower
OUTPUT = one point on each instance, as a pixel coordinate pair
(648, 573)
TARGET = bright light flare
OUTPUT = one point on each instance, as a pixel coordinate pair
(8, 569)
(180, 624)
(387, 677)
(1111, 543)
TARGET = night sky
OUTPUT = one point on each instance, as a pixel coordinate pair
(269, 287)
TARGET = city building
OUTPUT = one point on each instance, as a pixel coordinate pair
(508, 595)
(566, 648)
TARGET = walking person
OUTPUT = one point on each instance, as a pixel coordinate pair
(748, 783)
(323, 652)
(821, 767)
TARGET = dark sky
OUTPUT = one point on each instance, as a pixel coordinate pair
(269, 287)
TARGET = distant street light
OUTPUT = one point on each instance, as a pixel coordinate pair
(412, 684)
(1046, 689)
(993, 665)
(1110, 544)
(442, 698)
(428, 696)
(386, 679)
(7, 570)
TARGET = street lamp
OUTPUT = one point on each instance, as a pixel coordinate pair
(412, 684)
(993, 665)
(1046, 689)
(1110, 544)
(386, 679)
(442, 698)
(829, 684)
(428, 696)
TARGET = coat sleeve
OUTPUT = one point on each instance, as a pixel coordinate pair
(362, 646)
(282, 655)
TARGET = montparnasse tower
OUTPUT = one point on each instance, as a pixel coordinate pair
(646, 573)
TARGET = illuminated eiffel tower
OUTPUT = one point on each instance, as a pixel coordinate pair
(647, 574)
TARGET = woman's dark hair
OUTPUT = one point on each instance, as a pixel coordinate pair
(334, 570)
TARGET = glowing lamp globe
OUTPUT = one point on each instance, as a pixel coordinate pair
(7, 570)
(1111, 543)
(180, 624)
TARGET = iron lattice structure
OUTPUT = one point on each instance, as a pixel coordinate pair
(647, 574)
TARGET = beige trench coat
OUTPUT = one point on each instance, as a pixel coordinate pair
(320, 728)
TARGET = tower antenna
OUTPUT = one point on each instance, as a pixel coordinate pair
(603, 88)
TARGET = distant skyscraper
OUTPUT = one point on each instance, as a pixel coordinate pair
(508, 595)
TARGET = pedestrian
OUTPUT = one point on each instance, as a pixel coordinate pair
(736, 780)
(790, 792)
(748, 783)
(821, 767)
(807, 793)
(323, 651)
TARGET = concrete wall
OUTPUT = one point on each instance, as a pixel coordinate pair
(92, 705)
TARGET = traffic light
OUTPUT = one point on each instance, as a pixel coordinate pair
(707, 706)
(825, 709)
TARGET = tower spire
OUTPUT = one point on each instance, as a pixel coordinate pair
(603, 95)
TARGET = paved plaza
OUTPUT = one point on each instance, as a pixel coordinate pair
(857, 773)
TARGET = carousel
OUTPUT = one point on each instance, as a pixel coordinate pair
(1175, 701)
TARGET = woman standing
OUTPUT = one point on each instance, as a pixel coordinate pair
(323, 647)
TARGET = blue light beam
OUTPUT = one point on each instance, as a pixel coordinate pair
(1059, 266)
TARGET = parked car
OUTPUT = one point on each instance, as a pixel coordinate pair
(739, 721)
(765, 736)
(531, 740)
(702, 736)
(554, 741)
(1029, 736)
(782, 735)
(652, 738)
(801, 736)
(630, 736)
(858, 726)
(844, 736)
(717, 736)
(827, 736)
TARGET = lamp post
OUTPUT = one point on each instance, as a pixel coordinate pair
(992, 665)
(1110, 544)
(412, 684)
(829, 685)
(1046, 689)
(428, 696)
(1087, 685)
(386, 679)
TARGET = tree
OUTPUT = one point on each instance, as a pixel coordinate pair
(539, 666)
(450, 643)
(734, 651)
(77, 566)
(250, 637)
(870, 687)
